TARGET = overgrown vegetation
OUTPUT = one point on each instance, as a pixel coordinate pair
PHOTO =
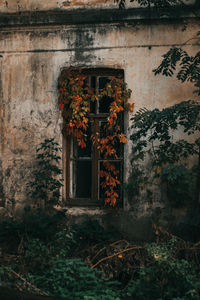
(70, 264)
(165, 277)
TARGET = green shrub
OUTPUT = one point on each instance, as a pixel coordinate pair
(44, 186)
(73, 279)
(165, 278)
(64, 243)
(161, 138)
(47, 265)
(38, 225)
(36, 255)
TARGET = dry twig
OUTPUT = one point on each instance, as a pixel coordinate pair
(115, 254)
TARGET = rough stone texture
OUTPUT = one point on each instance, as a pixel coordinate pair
(31, 59)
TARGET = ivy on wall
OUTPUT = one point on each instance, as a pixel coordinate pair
(75, 97)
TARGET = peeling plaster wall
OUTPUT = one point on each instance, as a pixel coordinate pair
(31, 59)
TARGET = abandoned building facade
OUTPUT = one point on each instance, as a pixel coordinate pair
(39, 39)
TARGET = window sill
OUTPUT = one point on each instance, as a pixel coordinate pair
(85, 202)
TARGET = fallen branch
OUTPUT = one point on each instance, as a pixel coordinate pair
(28, 283)
(115, 254)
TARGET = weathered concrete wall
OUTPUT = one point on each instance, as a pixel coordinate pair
(31, 59)
(24, 5)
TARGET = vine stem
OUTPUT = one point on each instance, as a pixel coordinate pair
(115, 254)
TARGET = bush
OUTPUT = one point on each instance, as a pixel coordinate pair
(73, 279)
(166, 277)
(46, 263)
(44, 186)
(162, 138)
(38, 225)
(51, 266)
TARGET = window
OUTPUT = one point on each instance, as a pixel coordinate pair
(83, 165)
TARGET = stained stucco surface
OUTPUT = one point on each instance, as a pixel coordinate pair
(31, 59)
(30, 5)
(24, 5)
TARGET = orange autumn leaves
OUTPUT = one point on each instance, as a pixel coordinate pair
(110, 182)
(74, 101)
(77, 125)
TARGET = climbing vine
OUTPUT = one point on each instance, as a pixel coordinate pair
(75, 97)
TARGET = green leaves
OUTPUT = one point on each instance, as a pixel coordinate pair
(189, 66)
(163, 138)
(45, 183)
(73, 279)
(169, 62)
(157, 4)
(165, 277)
(154, 132)
(179, 184)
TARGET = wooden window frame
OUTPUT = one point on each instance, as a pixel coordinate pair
(68, 142)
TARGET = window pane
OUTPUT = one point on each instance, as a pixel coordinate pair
(93, 82)
(118, 148)
(104, 103)
(103, 133)
(84, 152)
(92, 107)
(102, 82)
(93, 86)
(83, 175)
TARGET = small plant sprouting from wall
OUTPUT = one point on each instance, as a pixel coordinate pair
(154, 136)
(44, 188)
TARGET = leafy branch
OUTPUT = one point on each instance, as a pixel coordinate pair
(189, 66)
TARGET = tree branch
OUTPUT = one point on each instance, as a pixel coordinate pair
(115, 254)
